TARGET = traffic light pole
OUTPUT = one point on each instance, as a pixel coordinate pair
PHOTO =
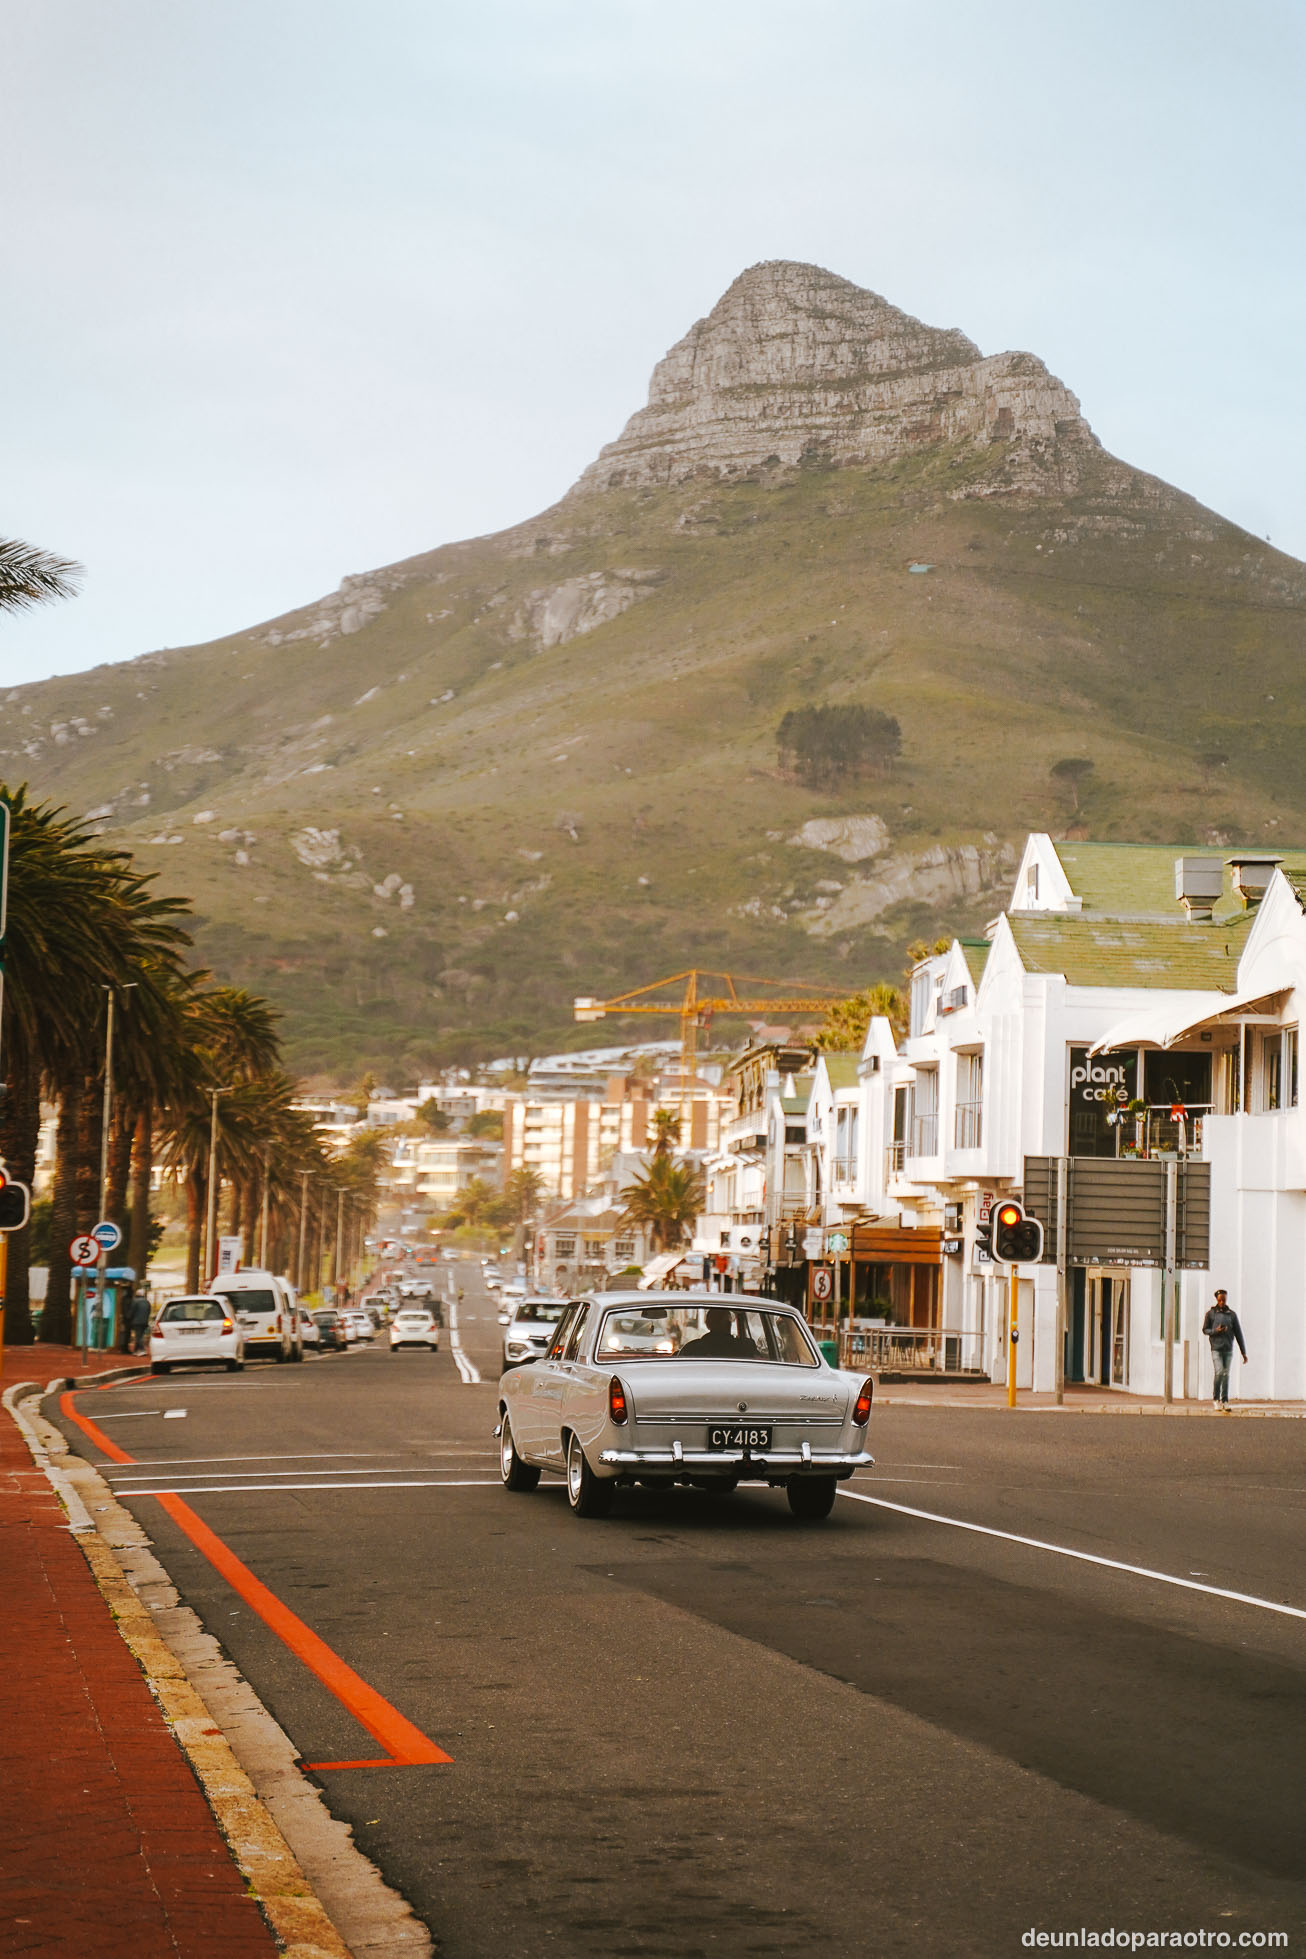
(1013, 1330)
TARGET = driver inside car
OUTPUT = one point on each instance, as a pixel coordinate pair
(720, 1342)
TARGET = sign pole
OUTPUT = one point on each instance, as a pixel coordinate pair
(1168, 1276)
(1013, 1330)
(1063, 1304)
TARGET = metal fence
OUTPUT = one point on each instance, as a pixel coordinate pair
(915, 1349)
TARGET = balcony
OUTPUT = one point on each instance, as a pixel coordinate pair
(845, 1170)
(895, 1158)
(925, 1135)
(970, 1125)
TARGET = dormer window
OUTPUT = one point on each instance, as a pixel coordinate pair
(1031, 884)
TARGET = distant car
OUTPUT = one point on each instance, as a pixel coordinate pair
(199, 1329)
(331, 1328)
(698, 1391)
(264, 1303)
(493, 1278)
(530, 1329)
(414, 1326)
(357, 1325)
(309, 1332)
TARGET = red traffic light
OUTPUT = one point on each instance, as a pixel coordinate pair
(1017, 1240)
(1009, 1215)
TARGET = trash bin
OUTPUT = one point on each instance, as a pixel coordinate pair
(830, 1348)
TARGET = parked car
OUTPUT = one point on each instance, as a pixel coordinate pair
(309, 1332)
(331, 1328)
(414, 1326)
(198, 1329)
(266, 1307)
(693, 1391)
(530, 1329)
(357, 1323)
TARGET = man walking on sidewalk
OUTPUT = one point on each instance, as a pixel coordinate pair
(1221, 1328)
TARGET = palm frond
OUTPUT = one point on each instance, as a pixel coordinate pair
(29, 576)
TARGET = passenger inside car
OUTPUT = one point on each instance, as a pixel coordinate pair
(720, 1342)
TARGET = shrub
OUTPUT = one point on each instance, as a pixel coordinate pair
(821, 745)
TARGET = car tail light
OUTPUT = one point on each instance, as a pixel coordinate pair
(228, 1326)
(862, 1406)
(617, 1407)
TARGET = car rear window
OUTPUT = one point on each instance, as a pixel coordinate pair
(192, 1309)
(251, 1299)
(543, 1311)
(703, 1333)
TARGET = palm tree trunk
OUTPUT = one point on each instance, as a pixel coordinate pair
(56, 1320)
(142, 1169)
(89, 1110)
(121, 1130)
(196, 1181)
(20, 1126)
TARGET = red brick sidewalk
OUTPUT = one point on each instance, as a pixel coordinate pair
(108, 1849)
(43, 1363)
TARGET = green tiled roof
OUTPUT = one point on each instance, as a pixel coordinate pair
(796, 1104)
(1136, 880)
(1297, 879)
(1103, 952)
(841, 1068)
(977, 956)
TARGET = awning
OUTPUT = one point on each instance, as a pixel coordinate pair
(1161, 1027)
(660, 1268)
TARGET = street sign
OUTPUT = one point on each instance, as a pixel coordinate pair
(838, 1241)
(812, 1244)
(83, 1250)
(107, 1235)
(822, 1282)
(1116, 1210)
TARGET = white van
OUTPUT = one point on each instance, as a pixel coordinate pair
(267, 1310)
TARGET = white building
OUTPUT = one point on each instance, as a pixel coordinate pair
(1099, 994)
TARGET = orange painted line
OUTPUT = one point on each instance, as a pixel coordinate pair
(406, 1743)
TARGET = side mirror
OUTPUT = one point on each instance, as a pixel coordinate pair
(505, 1319)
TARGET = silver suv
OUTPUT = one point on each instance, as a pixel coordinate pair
(529, 1328)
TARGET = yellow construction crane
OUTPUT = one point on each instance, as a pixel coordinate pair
(697, 1004)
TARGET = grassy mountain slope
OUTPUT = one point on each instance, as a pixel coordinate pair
(583, 816)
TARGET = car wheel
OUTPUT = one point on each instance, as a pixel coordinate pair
(589, 1495)
(298, 1353)
(516, 1474)
(232, 1366)
(160, 1367)
(811, 1497)
(282, 1355)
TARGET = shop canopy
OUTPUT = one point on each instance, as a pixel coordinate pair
(659, 1269)
(1163, 1027)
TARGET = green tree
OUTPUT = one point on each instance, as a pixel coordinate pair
(825, 745)
(666, 1131)
(666, 1200)
(432, 1117)
(521, 1195)
(487, 1123)
(846, 1021)
(29, 576)
(1070, 775)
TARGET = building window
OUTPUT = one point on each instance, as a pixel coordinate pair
(1278, 1070)
(1031, 884)
(623, 1248)
(922, 997)
(564, 1248)
(1290, 1067)
(902, 1110)
(925, 1118)
(970, 1101)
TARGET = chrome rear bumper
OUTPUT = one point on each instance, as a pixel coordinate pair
(745, 1462)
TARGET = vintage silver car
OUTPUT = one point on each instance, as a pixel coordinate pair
(696, 1388)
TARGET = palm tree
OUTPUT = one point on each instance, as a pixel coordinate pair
(522, 1193)
(29, 576)
(666, 1200)
(666, 1131)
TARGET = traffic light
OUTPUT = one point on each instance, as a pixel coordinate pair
(15, 1204)
(1017, 1240)
(984, 1236)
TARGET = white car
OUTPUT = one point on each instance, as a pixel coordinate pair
(707, 1389)
(265, 1305)
(358, 1325)
(310, 1333)
(200, 1329)
(414, 1326)
(529, 1329)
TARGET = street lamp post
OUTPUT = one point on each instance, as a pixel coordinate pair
(211, 1218)
(303, 1226)
(340, 1234)
(263, 1217)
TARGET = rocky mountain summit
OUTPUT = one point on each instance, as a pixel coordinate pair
(427, 811)
(794, 365)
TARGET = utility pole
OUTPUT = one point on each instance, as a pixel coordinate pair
(106, 1116)
(1168, 1276)
(1063, 1275)
(340, 1232)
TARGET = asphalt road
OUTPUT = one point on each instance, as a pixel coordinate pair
(700, 1728)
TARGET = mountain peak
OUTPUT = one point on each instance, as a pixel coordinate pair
(795, 364)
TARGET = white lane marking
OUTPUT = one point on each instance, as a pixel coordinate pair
(1082, 1557)
(303, 1455)
(467, 1368)
(144, 1414)
(244, 1489)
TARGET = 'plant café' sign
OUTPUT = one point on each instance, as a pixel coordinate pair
(1101, 1086)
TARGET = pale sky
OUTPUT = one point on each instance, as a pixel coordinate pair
(295, 288)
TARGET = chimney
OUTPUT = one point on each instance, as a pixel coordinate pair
(1251, 877)
(1199, 886)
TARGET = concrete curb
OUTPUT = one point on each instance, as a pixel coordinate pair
(1193, 1410)
(286, 1843)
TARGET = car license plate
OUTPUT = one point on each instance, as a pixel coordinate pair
(736, 1435)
